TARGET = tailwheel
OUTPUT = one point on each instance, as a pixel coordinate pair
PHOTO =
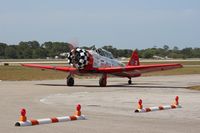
(70, 81)
(103, 81)
(129, 81)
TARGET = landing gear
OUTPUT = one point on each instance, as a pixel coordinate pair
(70, 80)
(130, 81)
(103, 80)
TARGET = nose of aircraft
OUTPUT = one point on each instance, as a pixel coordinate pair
(78, 58)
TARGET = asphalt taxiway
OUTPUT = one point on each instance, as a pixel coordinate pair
(108, 109)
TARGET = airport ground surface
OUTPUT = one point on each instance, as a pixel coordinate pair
(109, 109)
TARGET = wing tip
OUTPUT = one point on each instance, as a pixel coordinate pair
(180, 65)
(23, 64)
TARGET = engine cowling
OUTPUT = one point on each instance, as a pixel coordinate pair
(78, 57)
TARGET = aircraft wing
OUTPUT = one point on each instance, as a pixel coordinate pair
(126, 71)
(139, 68)
(58, 68)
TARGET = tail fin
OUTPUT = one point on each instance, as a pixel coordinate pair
(134, 60)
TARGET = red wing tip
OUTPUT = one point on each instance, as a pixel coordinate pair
(180, 65)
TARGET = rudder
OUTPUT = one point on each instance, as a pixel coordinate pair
(134, 60)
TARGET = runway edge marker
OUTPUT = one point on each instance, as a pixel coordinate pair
(165, 107)
(24, 122)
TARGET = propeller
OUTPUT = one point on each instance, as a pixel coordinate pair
(73, 45)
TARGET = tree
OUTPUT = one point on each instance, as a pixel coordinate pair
(55, 48)
(2, 50)
(36, 50)
(148, 53)
(10, 52)
(24, 50)
(187, 52)
(33, 49)
(175, 48)
(166, 47)
(196, 52)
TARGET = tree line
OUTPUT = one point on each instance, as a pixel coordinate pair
(32, 50)
(35, 50)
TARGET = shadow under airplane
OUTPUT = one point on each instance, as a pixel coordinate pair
(136, 85)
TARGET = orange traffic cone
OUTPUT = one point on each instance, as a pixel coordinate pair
(176, 100)
(23, 115)
(78, 110)
(140, 106)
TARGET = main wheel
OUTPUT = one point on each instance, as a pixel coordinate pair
(70, 81)
(129, 81)
(102, 82)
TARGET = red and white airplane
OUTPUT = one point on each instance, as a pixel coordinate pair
(101, 62)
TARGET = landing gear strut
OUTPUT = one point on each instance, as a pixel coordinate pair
(129, 81)
(70, 80)
(103, 80)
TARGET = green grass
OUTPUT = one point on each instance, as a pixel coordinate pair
(195, 88)
(180, 71)
(23, 73)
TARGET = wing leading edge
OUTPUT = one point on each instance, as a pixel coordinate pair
(58, 68)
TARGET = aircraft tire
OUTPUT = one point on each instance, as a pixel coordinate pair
(129, 81)
(102, 82)
(70, 81)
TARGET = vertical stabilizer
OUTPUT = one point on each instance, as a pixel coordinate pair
(134, 60)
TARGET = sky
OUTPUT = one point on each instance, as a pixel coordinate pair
(121, 23)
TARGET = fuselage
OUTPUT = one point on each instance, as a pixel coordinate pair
(101, 58)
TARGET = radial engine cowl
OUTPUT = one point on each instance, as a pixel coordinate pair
(78, 58)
